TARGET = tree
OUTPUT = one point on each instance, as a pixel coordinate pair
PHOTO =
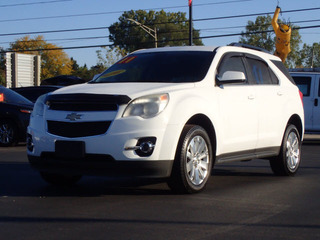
(85, 73)
(310, 55)
(172, 30)
(260, 33)
(53, 62)
(2, 68)
(108, 56)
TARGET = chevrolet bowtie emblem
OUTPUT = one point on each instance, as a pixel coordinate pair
(73, 116)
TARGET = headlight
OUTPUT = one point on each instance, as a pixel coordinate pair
(38, 108)
(147, 107)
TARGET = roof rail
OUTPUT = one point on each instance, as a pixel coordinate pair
(248, 46)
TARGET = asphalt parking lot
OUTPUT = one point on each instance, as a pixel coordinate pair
(242, 201)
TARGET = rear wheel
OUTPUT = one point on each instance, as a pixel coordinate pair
(288, 161)
(193, 161)
(8, 133)
(59, 179)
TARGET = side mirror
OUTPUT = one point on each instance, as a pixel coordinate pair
(231, 77)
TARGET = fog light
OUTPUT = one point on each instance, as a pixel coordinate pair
(145, 146)
(30, 144)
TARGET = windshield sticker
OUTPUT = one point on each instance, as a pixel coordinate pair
(112, 74)
(126, 60)
(1, 97)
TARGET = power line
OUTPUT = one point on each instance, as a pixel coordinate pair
(203, 19)
(173, 40)
(116, 12)
(62, 39)
(100, 37)
(32, 3)
(255, 14)
(53, 31)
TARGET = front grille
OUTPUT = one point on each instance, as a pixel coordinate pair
(77, 129)
(85, 102)
(83, 106)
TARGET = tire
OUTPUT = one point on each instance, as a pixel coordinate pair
(193, 161)
(59, 179)
(8, 133)
(288, 161)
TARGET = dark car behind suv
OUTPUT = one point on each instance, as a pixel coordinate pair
(14, 117)
(33, 92)
(62, 80)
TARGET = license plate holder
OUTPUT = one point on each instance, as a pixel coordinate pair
(70, 149)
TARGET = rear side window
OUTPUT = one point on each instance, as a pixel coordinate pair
(304, 84)
(283, 69)
(260, 72)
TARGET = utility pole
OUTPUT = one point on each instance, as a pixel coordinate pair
(151, 32)
(190, 23)
(312, 56)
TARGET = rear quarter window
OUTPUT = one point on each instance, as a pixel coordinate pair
(283, 69)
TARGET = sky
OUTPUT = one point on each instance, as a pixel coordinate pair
(18, 17)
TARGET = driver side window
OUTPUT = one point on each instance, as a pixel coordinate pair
(233, 63)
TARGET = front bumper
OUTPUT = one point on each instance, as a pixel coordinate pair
(103, 165)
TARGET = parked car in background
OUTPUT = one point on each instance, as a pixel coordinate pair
(308, 81)
(62, 80)
(15, 113)
(32, 93)
(171, 113)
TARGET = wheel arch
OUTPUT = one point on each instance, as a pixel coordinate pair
(296, 120)
(203, 121)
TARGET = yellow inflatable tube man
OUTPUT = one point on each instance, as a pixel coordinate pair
(283, 35)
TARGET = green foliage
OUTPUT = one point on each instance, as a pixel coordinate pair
(85, 73)
(2, 69)
(172, 30)
(310, 56)
(109, 56)
(260, 33)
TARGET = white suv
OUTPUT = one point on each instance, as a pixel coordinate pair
(170, 113)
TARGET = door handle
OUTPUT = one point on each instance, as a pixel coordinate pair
(316, 102)
(251, 97)
(280, 93)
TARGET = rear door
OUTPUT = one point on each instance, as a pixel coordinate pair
(270, 101)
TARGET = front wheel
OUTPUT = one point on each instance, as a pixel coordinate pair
(193, 162)
(288, 161)
(8, 133)
(59, 179)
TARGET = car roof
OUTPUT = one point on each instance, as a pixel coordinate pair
(174, 49)
(228, 48)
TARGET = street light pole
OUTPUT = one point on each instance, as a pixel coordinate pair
(150, 31)
(190, 23)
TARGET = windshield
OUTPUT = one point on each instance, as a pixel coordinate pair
(9, 96)
(172, 67)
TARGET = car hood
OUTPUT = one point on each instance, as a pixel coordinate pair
(132, 90)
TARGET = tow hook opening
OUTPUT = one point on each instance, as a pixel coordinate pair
(30, 144)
